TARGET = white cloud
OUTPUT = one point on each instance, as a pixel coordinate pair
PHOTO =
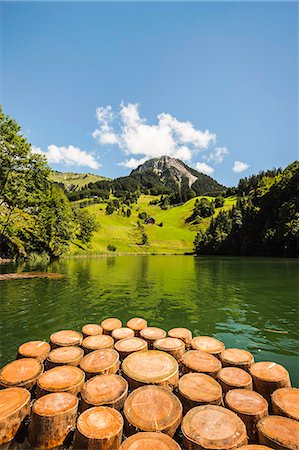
(204, 168)
(240, 166)
(217, 156)
(132, 163)
(69, 155)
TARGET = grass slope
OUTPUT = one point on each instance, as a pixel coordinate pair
(74, 181)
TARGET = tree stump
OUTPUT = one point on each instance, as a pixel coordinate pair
(23, 372)
(14, 408)
(149, 441)
(214, 428)
(152, 408)
(127, 346)
(137, 324)
(181, 333)
(250, 407)
(97, 342)
(65, 338)
(151, 367)
(61, 379)
(64, 356)
(110, 324)
(279, 432)
(104, 390)
(197, 389)
(175, 347)
(34, 349)
(236, 357)
(122, 333)
(91, 329)
(99, 428)
(151, 334)
(285, 402)
(208, 344)
(100, 362)
(199, 361)
(254, 447)
(269, 376)
(53, 417)
(234, 378)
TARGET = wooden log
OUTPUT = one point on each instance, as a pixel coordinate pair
(99, 428)
(151, 367)
(212, 427)
(181, 333)
(149, 440)
(122, 333)
(127, 346)
(199, 361)
(236, 357)
(34, 349)
(100, 362)
(254, 447)
(23, 372)
(110, 324)
(104, 390)
(285, 402)
(91, 329)
(152, 408)
(250, 407)
(65, 338)
(28, 275)
(14, 408)
(197, 389)
(269, 376)
(234, 378)
(60, 379)
(278, 432)
(64, 356)
(97, 342)
(207, 344)
(175, 347)
(53, 417)
(151, 334)
(137, 324)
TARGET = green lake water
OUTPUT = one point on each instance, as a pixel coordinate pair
(237, 300)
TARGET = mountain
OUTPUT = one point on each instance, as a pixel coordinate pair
(72, 181)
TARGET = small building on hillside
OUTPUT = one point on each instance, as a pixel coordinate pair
(150, 221)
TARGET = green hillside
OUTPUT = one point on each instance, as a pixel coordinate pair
(74, 181)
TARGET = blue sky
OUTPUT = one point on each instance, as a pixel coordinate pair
(99, 87)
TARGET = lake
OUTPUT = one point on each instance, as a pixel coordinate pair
(249, 303)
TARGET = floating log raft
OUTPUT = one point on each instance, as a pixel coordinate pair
(100, 362)
(236, 357)
(137, 324)
(127, 346)
(269, 376)
(64, 356)
(53, 417)
(285, 402)
(104, 390)
(208, 344)
(97, 342)
(122, 333)
(29, 275)
(175, 347)
(279, 432)
(60, 379)
(152, 408)
(197, 389)
(23, 372)
(110, 324)
(181, 333)
(14, 408)
(91, 329)
(199, 361)
(151, 334)
(34, 349)
(234, 378)
(149, 441)
(65, 338)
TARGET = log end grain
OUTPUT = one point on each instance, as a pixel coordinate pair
(236, 357)
(285, 402)
(97, 342)
(254, 447)
(34, 349)
(109, 390)
(270, 372)
(200, 361)
(127, 346)
(110, 324)
(69, 356)
(279, 432)
(14, 408)
(151, 334)
(65, 338)
(246, 402)
(91, 329)
(233, 377)
(61, 379)
(122, 333)
(198, 389)
(207, 344)
(149, 441)
(173, 346)
(100, 362)
(23, 372)
(55, 403)
(136, 324)
(181, 333)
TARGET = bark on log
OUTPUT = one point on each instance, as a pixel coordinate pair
(65, 338)
(22, 372)
(122, 333)
(100, 362)
(97, 342)
(110, 324)
(199, 361)
(91, 329)
(60, 379)
(127, 346)
(64, 356)
(254, 447)
(234, 378)
(104, 390)
(269, 376)
(197, 389)
(151, 334)
(149, 441)
(285, 402)
(14, 408)
(175, 347)
(280, 433)
(236, 357)
(137, 324)
(34, 349)
(181, 333)
(207, 344)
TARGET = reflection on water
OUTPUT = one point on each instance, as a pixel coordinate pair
(235, 299)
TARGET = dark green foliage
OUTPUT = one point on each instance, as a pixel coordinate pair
(86, 225)
(219, 201)
(110, 208)
(111, 248)
(202, 208)
(142, 215)
(144, 239)
(129, 212)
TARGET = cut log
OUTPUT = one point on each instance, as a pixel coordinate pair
(199, 361)
(97, 342)
(127, 346)
(175, 347)
(214, 428)
(64, 356)
(104, 390)
(100, 362)
(269, 376)
(151, 334)
(23, 372)
(122, 333)
(99, 428)
(250, 407)
(236, 357)
(254, 447)
(285, 402)
(110, 324)
(61, 379)
(279, 432)
(91, 329)
(34, 349)
(53, 417)
(197, 389)
(65, 338)
(149, 441)
(152, 408)
(14, 408)
(181, 333)
(234, 378)
(151, 367)
(208, 344)
(137, 324)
